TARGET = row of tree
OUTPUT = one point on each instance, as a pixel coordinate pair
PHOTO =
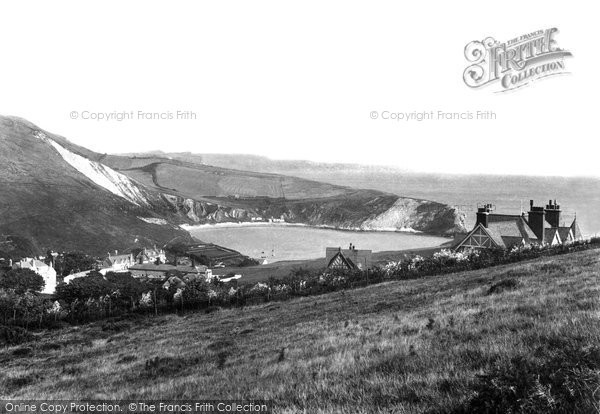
(97, 296)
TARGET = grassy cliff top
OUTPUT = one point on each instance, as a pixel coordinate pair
(419, 345)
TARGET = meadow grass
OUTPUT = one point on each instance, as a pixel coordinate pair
(440, 344)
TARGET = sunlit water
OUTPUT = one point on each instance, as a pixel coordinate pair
(277, 242)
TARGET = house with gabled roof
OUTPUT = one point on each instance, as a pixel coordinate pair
(348, 259)
(151, 256)
(575, 230)
(117, 263)
(552, 236)
(497, 231)
(541, 226)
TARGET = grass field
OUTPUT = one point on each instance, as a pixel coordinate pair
(405, 346)
(261, 273)
(198, 180)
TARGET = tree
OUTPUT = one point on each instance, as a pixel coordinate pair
(75, 262)
(22, 280)
(177, 250)
(129, 288)
(8, 304)
(92, 286)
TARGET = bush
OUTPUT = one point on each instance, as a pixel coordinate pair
(22, 280)
(503, 285)
(164, 367)
(14, 335)
(111, 326)
(567, 382)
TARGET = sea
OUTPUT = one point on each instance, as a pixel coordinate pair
(578, 197)
(276, 242)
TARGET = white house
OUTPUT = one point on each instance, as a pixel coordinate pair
(42, 269)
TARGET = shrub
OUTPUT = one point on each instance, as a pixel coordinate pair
(503, 285)
(111, 326)
(164, 367)
(567, 382)
(14, 335)
(22, 280)
(22, 351)
(16, 383)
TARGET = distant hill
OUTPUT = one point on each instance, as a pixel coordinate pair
(252, 195)
(257, 163)
(63, 196)
(509, 193)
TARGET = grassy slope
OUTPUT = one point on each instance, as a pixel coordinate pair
(252, 274)
(44, 199)
(197, 181)
(414, 344)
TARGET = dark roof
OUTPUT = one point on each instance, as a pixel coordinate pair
(495, 234)
(360, 258)
(576, 230)
(494, 217)
(118, 259)
(549, 234)
(505, 230)
(510, 228)
(347, 262)
(564, 232)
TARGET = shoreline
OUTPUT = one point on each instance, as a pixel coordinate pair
(406, 230)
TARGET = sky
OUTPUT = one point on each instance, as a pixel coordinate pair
(300, 80)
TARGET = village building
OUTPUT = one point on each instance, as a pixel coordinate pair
(540, 226)
(151, 256)
(45, 271)
(117, 263)
(348, 259)
(152, 271)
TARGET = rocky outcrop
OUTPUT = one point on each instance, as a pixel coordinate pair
(387, 213)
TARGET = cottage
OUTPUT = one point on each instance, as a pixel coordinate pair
(542, 226)
(42, 269)
(348, 259)
(151, 256)
(117, 263)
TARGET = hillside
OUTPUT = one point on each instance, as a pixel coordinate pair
(62, 196)
(522, 337)
(51, 205)
(209, 194)
(508, 192)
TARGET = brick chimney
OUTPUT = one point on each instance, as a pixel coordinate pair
(483, 215)
(536, 219)
(553, 213)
